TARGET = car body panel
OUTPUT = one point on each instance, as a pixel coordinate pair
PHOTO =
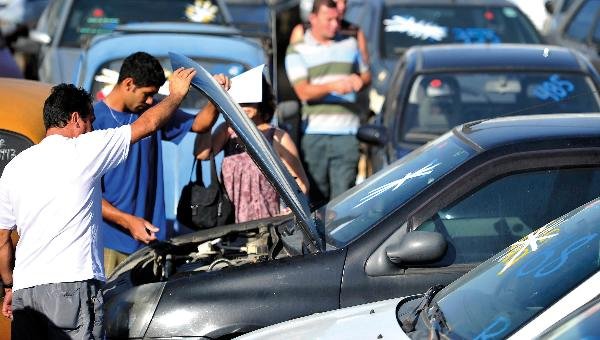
(346, 323)
(355, 268)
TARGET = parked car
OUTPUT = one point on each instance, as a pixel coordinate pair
(426, 219)
(438, 87)
(556, 10)
(67, 26)
(579, 29)
(218, 48)
(21, 126)
(520, 293)
(396, 25)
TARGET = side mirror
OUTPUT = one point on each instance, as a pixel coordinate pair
(372, 134)
(549, 5)
(40, 37)
(417, 247)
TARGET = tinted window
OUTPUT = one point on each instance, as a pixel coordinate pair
(438, 102)
(503, 211)
(358, 209)
(405, 26)
(506, 291)
(88, 18)
(106, 77)
(579, 26)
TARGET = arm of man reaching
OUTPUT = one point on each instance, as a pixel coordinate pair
(150, 121)
(7, 255)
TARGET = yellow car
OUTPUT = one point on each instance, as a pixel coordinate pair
(21, 126)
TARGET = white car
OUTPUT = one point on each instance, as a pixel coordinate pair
(520, 293)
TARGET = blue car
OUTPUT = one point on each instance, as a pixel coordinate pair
(435, 88)
(393, 26)
(217, 48)
(68, 26)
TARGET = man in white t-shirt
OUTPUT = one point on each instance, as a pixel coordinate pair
(51, 194)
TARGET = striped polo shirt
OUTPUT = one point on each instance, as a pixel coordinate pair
(334, 114)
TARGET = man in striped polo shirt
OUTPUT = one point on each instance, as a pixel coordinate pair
(326, 71)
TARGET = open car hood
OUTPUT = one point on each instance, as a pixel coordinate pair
(257, 147)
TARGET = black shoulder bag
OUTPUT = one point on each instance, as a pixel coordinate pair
(202, 207)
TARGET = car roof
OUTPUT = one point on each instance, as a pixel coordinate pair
(503, 131)
(461, 57)
(22, 106)
(452, 2)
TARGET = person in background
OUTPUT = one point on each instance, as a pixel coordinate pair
(326, 71)
(133, 208)
(252, 195)
(345, 28)
(51, 194)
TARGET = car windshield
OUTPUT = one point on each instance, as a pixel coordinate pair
(438, 102)
(357, 210)
(89, 18)
(107, 75)
(526, 278)
(405, 26)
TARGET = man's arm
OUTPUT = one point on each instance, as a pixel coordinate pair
(152, 119)
(207, 117)
(7, 255)
(364, 53)
(307, 91)
(140, 229)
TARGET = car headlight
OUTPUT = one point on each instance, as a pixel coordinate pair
(127, 315)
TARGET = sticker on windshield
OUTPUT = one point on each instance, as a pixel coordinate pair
(518, 250)
(97, 23)
(203, 11)
(553, 89)
(473, 35)
(416, 29)
(426, 170)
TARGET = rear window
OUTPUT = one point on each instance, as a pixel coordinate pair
(89, 18)
(11, 144)
(438, 102)
(406, 26)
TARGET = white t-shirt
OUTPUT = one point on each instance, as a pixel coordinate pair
(51, 192)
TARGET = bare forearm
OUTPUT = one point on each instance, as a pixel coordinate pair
(306, 92)
(7, 256)
(114, 215)
(205, 119)
(155, 117)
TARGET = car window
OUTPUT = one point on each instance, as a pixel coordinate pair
(503, 211)
(524, 279)
(579, 27)
(357, 210)
(88, 18)
(438, 102)
(107, 75)
(52, 17)
(405, 26)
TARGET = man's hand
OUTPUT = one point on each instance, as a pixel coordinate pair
(223, 81)
(7, 304)
(356, 82)
(342, 86)
(141, 230)
(179, 82)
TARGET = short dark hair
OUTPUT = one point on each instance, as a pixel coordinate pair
(318, 3)
(266, 107)
(64, 99)
(144, 69)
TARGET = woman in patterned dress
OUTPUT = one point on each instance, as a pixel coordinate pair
(252, 195)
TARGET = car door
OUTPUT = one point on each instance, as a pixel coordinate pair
(578, 29)
(479, 212)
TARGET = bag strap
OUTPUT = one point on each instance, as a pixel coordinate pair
(213, 170)
(198, 167)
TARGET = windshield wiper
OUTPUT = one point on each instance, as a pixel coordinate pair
(408, 323)
(437, 321)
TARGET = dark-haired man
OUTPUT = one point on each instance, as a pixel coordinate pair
(51, 193)
(133, 207)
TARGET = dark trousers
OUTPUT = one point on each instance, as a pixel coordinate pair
(66, 310)
(331, 162)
